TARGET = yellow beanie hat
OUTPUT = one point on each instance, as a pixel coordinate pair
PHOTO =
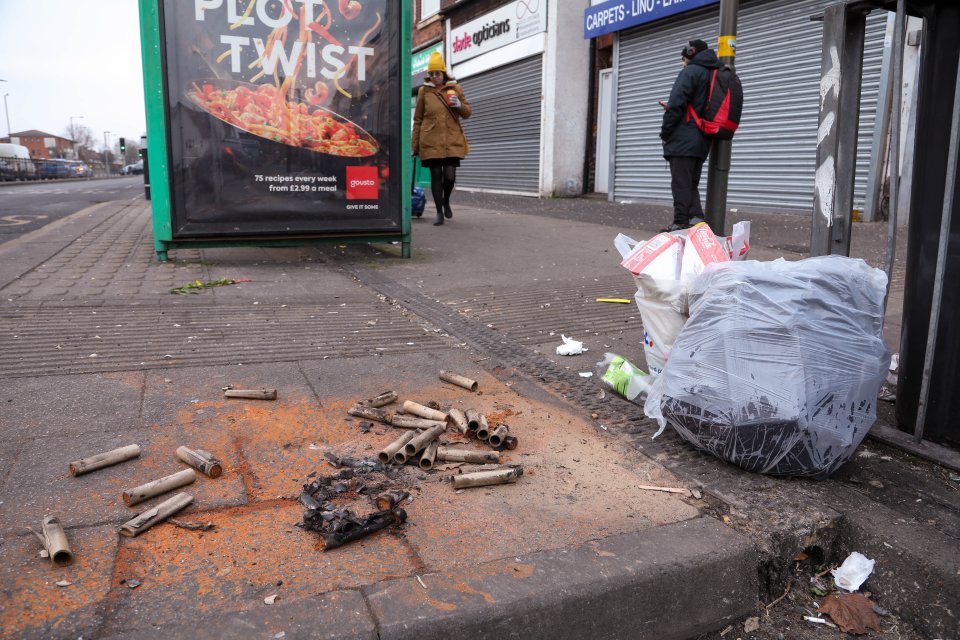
(436, 63)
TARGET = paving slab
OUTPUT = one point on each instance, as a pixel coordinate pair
(31, 603)
(40, 482)
(45, 406)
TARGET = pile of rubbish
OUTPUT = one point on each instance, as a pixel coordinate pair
(772, 366)
(421, 443)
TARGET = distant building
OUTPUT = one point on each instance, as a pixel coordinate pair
(42, 144)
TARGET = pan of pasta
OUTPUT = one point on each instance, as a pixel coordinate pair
(264, 111)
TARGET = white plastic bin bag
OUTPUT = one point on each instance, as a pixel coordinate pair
(778, 368)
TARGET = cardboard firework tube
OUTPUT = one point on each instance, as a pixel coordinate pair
(386, 455)
(157, 487)
(371, 413)
(486, 478)
(458, 380)
(102, 460)
(251, 394)
(458, 420)
(383, 399)
(510, 442)
(424, 412)
(483, 431)
(419, 443)
(429, 455)
(498, 434)
(473, 420)
(413, 422)
(159, 513)
(389, 499)
(446, 454)
(202, 461)
(55, 542)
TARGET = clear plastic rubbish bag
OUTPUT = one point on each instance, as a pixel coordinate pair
(778, 368)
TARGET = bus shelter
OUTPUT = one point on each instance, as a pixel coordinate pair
(277, 122)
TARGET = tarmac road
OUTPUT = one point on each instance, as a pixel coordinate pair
(28, 206)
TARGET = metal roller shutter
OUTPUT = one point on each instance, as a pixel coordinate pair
(504, 130)
(774, 152)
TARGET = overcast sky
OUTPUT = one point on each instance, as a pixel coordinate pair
(63, 58)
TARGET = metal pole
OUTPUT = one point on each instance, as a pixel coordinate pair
(106, 163)
(893, 162)
(718, 172)
(945, 222)
(6, 110)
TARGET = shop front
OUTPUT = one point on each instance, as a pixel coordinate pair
(778, 51)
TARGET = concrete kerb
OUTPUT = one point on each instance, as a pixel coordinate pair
(670, 583)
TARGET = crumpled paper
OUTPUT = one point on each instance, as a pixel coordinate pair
(570, 347)
(853, 572)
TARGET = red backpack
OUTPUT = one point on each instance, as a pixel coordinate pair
(721, 114)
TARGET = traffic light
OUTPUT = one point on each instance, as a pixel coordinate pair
(123, 145)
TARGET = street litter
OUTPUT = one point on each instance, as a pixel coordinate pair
(159, 513)
(586, 374)
(102, 460)
(853, 572)
(202, 461)
(459, 421)
(381, 400)
(196, 286)
(251, 394)
(486, 478)
(778, 368)
(270, 599)
(340, 526)
(155, 488)
(429, 455)
(413, 422)
(424, 412)
(63, 583)
(614, 300)
(371, 413)
(54, 541)
(192, 526)
(498, 435)
(449, 454)
(458, 380)
(648, 487)
(852, 612)
(624, 377)
(570, 347)
(663, 268)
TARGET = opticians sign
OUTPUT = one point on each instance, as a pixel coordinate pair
(615, 15)
(506, 25)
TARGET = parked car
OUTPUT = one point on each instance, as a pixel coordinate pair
(78, 169)
(15, 163)
(132, 169)
(53, 169)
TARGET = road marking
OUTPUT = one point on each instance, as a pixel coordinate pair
(17, 220)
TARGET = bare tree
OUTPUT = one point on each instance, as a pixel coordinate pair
(81, 135)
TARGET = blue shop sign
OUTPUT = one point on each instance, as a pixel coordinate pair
(615, 15)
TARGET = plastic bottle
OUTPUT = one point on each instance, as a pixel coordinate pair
(623, 377)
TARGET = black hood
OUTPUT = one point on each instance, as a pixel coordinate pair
(706, 58)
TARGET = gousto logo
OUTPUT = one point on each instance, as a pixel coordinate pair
(363, 183)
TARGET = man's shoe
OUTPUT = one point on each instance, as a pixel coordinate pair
(675, 227)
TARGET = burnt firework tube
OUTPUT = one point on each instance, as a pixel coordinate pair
(388, 452)
(460, 381)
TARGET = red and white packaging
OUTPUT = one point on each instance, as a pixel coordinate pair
(658, 258)
(701, 248)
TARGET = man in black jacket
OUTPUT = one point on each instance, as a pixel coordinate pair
(684, 146)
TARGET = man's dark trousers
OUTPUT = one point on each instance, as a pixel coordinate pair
(684, 182)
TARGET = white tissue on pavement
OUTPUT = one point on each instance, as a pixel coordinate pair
(570, 347)
(852, 573)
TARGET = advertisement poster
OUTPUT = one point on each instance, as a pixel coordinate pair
(284, 116)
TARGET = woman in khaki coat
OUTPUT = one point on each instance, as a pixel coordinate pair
(438, 137)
